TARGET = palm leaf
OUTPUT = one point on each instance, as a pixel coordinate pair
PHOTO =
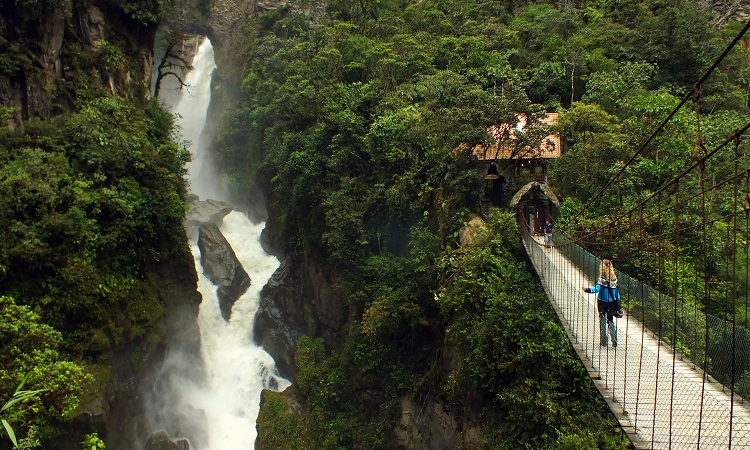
(10, 432)
(20, 396)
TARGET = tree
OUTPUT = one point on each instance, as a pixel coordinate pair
(595, 146)
(584, 120)
(175, 62)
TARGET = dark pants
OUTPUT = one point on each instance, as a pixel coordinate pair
(607, 321)
(607, 309)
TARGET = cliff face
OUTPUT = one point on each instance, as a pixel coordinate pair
(738, 10)
(136, 367)
(50, 52)
(299, 300)
(52, 48)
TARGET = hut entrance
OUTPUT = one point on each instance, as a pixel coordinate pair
(536, 212)
(533, 203)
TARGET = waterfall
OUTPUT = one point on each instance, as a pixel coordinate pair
(226, 394)
(236, 369)
(191, 109)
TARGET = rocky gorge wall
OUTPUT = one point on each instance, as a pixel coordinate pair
(738, 10)
(46, 40)
(51, 50)
(122, 407)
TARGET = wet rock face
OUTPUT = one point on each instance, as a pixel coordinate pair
(222, 267)
(204, 212)
(160, 440)
(299, 300)
(280, 320)
(124, 407)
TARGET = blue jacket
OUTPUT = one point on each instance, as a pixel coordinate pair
(607, 291)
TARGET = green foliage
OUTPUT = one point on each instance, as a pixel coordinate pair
(31, 348)
(569, 208)
(89, 205)
(147, 12)
(325, 390)
(92, 442)
(12, 57)
(87, 210)
(357, 128)
(501, 320)
(92, 200)
(680, 40)
(18, 396)
(278, 424)
(111, 56)
(598, 150)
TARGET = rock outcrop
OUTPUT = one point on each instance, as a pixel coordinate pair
(280, 320)
(299, 300)
(468, 234)
(222, 267)
(137, 368)
(430, 426)
(738, 10)
(204, 212)
(161, 440)
(33, 85)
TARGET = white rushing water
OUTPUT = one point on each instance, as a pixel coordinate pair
(192, 110)
(236, 369)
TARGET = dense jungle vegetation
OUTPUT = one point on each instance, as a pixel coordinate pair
(89, 204)
(355, 127)
(90, 201)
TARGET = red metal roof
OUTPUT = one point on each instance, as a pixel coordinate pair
(506, 144)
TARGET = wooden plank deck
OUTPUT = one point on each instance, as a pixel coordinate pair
(661, 401)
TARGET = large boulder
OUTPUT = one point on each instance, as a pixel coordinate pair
(469, 233)
(208, 211)
(222, 267)
(161, 440)
(279, 322)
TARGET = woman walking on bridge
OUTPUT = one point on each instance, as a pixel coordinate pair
(608, 301)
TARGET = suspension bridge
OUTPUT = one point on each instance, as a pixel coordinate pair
(679, 376)
(661, 398)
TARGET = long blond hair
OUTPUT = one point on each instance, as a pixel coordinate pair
(607, 271)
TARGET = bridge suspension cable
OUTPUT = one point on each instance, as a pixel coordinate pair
(695, 91)
(679, 376)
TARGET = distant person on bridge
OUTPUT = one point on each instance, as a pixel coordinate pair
(608, 301)
(548, 233)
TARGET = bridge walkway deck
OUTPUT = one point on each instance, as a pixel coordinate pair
(661, 400)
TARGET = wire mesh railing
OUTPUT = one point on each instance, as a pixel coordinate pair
(654, 375)
(677, 365)
(700, 338)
